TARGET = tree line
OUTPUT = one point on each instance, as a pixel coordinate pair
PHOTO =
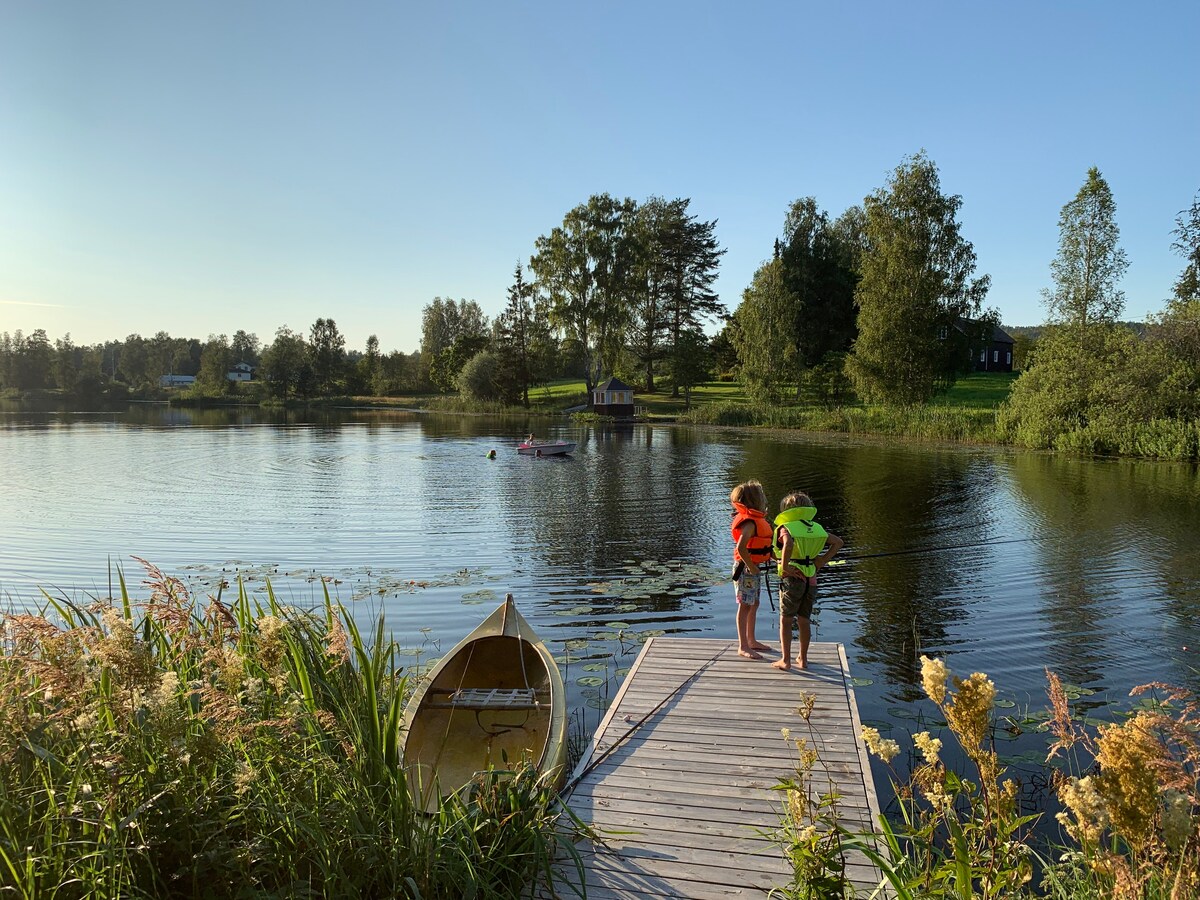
(880, 304)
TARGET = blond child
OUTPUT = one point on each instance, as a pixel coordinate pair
(801, 545)
(751, 532)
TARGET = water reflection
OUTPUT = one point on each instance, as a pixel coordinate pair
(628, 535)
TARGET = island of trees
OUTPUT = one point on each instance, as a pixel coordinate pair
(878, 308)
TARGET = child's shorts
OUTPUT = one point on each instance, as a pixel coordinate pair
(797, 597)
(747, 587)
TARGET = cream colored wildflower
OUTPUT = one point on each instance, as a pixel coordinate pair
(787, 733)
(1177, 818)
(164, 693)
(969, 712)
(936, 794)
(270, 645)
(1090, 815)
(929, 746)
(1127, 755)
(797, 805)
(885, 748)
(934, 675)
(243, 777)
(120, 650)
(807, 701)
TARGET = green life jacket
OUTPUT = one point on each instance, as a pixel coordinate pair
(808, 537)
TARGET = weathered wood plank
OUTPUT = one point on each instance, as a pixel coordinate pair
(678, 778)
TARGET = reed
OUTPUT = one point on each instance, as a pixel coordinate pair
(163, 746)
(930, 423)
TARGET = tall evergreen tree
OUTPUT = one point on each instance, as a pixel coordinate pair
(818, 268)
(916, 284)
(520, 339)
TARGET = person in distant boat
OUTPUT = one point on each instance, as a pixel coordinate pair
(751, 532)
(530, 439)
(801, 546)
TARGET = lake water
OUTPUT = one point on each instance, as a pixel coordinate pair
(1090, 568)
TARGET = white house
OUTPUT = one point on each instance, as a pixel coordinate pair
(241, 372)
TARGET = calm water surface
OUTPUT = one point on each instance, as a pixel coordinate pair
(403, 513)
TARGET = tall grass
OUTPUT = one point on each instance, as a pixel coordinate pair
(171, 747)
(933, 423)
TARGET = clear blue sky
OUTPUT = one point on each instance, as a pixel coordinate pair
(200, 167)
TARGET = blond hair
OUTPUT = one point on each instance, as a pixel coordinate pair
(749, 493)
(795, 498)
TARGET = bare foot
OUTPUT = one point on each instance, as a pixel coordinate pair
(784, 664)
(759, 645)
(803, 664)
(750, 654)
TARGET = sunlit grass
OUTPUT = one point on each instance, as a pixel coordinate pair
(168, 746)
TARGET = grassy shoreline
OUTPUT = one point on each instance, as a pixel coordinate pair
(171, 747)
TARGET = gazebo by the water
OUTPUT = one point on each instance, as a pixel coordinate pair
(613, 398)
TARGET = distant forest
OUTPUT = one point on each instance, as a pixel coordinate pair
(880, 305)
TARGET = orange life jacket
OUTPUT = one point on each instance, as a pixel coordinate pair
(760, 542)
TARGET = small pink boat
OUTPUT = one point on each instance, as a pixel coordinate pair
(546, 448)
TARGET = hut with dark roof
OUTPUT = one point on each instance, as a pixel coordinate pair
(613, 398)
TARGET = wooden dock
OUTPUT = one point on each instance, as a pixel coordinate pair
(678, 778)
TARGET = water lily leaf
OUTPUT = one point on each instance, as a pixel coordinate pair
(598, 703)
(604, 636)
(626, 608)
(576, 644)
(1005, 704)
(622, 672)
(595, 667)
(623, 626)
(903, 712)
(589, 681)
(861, 682)
(655, 632)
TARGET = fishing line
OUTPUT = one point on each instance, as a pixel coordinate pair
(856, 557)
(574, 782)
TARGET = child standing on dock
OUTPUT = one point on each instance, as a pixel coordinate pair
(800, 543)
(751, 531)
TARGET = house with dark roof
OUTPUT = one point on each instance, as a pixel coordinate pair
(990, 346)
(613, 398)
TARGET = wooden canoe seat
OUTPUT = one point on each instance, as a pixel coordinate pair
(488, 698)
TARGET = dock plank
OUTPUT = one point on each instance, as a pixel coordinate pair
(678, 779)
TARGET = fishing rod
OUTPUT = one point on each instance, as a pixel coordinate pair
(574, 781)
(856, 557)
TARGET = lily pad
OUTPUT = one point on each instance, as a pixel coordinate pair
(598, 703)
(903, 712)
(589, 681)
(576, 644)
(620, 626)
(595, 667)
(1005, 704)
(861, 682)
